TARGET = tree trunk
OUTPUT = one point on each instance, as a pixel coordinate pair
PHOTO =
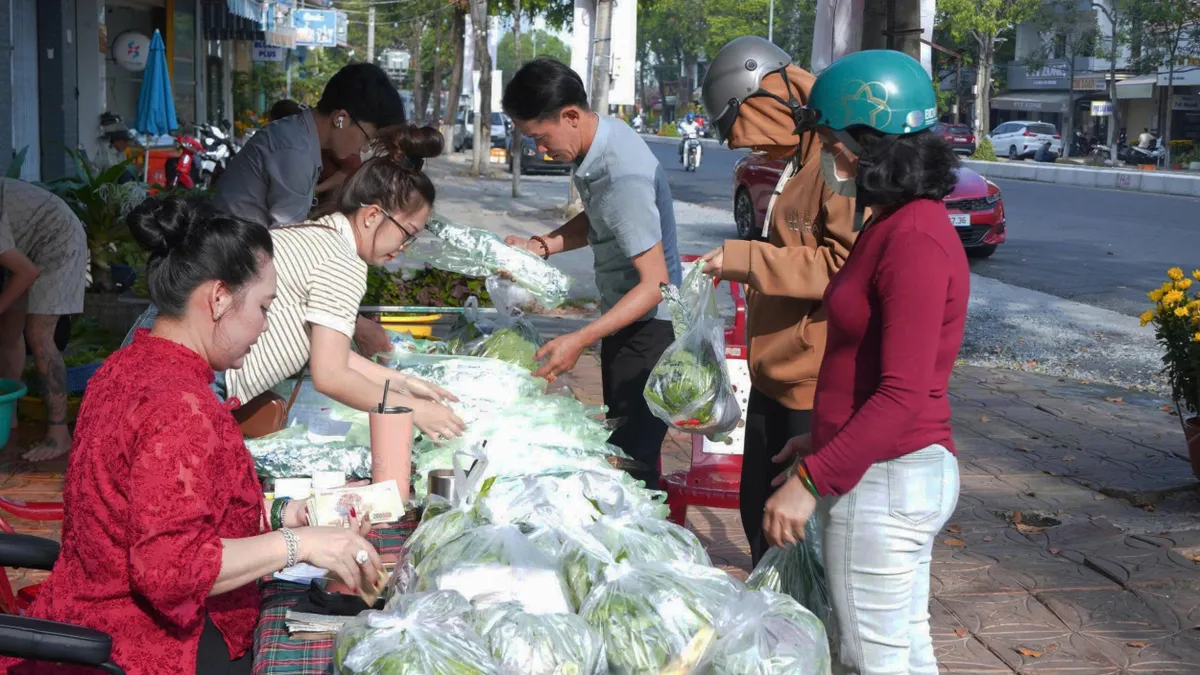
(1165, 141)
(456, 68)
(516, 148)
(437, 71)
(483, 117)
(983, 101)
(1068, 133)
(662, 98)
(418, 79)
(683, 97)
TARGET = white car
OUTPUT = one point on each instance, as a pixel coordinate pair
(1020, 140)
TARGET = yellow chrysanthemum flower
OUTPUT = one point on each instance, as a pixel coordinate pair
(1175, 273)
(1196, 337)
(1196, 275)
(1183, 284)
(1173, 298)
(1156, 295)
(1181, 311)
(1149, 316)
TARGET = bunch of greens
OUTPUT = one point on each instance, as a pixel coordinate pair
(650, 614)
(796, 571)
(541, 644)
(420, 634)
(427, 287)
(517, 344)
(766, 633)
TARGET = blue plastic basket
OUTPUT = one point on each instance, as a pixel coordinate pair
(78, 376)
(10, 391)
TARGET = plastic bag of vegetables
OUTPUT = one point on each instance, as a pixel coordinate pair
(797, 571)
(689, 388)
(511, 337)
(292, 452)
(479, 253)
(540, 644)
(421, 634)
(499, 560)
(585, 559)
(766, 633)
(654, 615)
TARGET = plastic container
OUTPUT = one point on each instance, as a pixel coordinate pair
(78, 376)
(10, 392)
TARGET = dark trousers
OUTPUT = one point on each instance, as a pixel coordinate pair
(626, 359)
(769, 426)
(213, 656)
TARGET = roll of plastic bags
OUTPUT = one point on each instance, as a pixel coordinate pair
(766, 633)
(540, 644)
(797, 571)
(496, 560)
(629, 540)
(480, 253)
(421, 634)
(689, 388)
(657, 615)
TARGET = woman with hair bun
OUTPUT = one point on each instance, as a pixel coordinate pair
(322, 268)
(166, 531)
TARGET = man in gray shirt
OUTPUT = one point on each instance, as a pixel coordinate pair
(629, 221)
(273, 180)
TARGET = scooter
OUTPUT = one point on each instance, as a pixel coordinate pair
(219, 148)
(692, 151)
(182, 171)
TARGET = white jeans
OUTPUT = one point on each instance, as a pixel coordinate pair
(877, 546)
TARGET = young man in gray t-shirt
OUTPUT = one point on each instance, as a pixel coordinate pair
(629, 221)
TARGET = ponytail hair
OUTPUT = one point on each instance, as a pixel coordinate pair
(393, 178)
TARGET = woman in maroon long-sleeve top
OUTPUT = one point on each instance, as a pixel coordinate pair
(879, 467)
(165, 530)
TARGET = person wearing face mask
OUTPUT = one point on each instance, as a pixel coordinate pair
(166, 532)
(809, 230)
(322, 278)
(879, 466)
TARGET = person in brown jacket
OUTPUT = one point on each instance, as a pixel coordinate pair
(752, 93)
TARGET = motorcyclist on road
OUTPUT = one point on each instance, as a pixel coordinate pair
(1146, 139)
(687, 129)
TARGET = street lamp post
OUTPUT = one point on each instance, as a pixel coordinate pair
(1114, 117)
(771, 23)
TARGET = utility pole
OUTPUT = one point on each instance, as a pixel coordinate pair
(771, 23)
(602, 56)
(371, 34)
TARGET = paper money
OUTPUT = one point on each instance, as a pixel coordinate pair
(378, 503)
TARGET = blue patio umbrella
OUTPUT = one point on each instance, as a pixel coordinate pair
(156, 105)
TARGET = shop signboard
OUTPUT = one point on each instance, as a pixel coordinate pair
(343, 29)
(1186, 102)
(261, 52)
(315, 28)
(1052, 75)
(1102, 108)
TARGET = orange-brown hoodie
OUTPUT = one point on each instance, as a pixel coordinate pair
(811, 231)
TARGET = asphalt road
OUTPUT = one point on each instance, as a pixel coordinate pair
(1100, 247)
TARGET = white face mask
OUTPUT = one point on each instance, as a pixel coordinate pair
(842, 186)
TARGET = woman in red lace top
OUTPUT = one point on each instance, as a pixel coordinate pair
(165, 533)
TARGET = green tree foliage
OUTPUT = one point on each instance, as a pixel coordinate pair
(533, 43)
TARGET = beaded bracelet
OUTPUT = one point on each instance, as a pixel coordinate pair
(277, 508)
(806, 479)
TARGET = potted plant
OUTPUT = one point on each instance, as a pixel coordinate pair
(1176, 320)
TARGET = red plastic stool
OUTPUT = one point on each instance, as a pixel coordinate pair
(715, 473)
(19, 602)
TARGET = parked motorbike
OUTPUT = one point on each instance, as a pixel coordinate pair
(218, 149)
(184, 171)
(692, 151)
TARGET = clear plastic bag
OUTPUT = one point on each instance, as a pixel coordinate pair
(797, 571)
(656, 615)
(499, 561)
(574, 499)
(689, 388)
(480, 253)
(405, 343)
(585, 559)
(766, 633)
(540, 644)
(291, 452)
(511, 337)
(421, 634)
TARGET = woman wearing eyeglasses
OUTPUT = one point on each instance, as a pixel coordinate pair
(322, 268)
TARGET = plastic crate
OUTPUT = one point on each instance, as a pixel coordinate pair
(78, 376)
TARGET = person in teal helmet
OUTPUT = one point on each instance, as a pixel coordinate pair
(879, 467)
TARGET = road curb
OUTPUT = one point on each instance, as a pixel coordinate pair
(1153, 182)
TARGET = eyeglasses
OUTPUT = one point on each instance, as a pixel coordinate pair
(409, 237)
(369, 138)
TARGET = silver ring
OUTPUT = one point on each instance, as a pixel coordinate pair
(361, 557)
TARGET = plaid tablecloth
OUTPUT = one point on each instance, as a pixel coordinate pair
(277, 653)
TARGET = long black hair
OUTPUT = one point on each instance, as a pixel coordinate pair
(895, 170)
(191, 243)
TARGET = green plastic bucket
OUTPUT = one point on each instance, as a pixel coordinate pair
(10, 391)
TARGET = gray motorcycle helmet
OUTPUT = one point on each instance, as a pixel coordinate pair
(735, 75)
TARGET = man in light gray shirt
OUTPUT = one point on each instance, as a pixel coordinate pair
(273, 180)
(629, 221)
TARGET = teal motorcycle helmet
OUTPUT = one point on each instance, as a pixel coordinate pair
(883, 90)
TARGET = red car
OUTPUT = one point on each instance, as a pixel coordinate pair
(975, 206)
